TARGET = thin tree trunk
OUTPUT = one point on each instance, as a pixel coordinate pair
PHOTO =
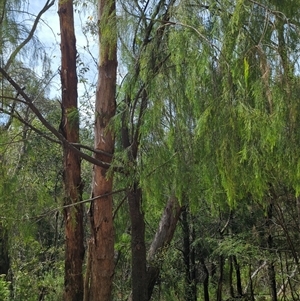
(101, 210)
(193, 265)
(206, 280)
(238, 276)
(74, 249)
(252, 298)
(231, 289)
(139, 287)
(271, 267)
(272, 280)
(221, 276)
(187, 254)
(87, 278)
(138, 248)
(143, 280)
(4, 257)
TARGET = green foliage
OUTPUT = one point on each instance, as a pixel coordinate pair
(30, 185)
(220, 132)
(28, 284)
(4, 289)
(73, 116)
(108, 33)
(238, 247)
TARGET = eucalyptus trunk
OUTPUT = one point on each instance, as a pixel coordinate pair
(73, 212)
(101, 211)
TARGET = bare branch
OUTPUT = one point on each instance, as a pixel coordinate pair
(48, 212)
(52, 129)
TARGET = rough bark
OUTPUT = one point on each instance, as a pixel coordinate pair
(74, 249)
(101, 211)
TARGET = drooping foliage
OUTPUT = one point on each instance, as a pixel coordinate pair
(207, 115)
(220, 124)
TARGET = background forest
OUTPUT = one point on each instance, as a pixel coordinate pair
(163, 165)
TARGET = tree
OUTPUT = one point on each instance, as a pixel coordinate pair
(30, 185)
(203, 130)
(101, 210)
(69, 127)
(15, 37)
(136, 101)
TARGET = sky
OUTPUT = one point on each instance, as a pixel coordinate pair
(48, 34)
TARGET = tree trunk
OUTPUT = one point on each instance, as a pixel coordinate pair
(271, 267)
(163, 237)
(231, 289)
(206, 280)
(139, 288)
(251, 289)
(138, 248)
(221, 276)
(186, 253)
(74, 249)
(193, 265)
(4, 257)
(101, 210)
(238, 276)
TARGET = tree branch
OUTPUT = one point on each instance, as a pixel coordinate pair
(52, 129)
(30, 35)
